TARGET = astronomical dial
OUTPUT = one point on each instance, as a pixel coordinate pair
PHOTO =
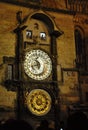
(38, 102)
(37, 64)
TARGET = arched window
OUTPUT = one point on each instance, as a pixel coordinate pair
(80, 49)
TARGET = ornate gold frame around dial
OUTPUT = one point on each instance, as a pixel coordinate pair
(38, 101)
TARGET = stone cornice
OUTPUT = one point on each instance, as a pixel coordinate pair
(37, 6)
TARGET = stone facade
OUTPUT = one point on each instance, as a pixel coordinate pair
(68, 75)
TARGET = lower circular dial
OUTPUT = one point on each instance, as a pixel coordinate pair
(38, 101)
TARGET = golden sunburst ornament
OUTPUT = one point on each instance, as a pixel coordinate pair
(38, 102)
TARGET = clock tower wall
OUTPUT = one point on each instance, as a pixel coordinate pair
(41, 32)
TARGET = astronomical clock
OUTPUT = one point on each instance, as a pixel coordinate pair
(37, 64)
(36, 57)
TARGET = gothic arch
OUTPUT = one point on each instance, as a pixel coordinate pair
(80, 48)
(45, 19)
(80, 29)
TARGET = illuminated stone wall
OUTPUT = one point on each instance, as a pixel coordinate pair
(67, 75)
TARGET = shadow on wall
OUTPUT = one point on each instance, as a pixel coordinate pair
(12, 124)
(77, 121)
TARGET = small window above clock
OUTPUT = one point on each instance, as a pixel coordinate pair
(28, 34)
(42, 35)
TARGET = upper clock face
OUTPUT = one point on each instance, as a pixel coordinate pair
(37, 64)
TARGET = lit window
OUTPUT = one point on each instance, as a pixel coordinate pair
(29, 34)
(43, 35)
(10, 72)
